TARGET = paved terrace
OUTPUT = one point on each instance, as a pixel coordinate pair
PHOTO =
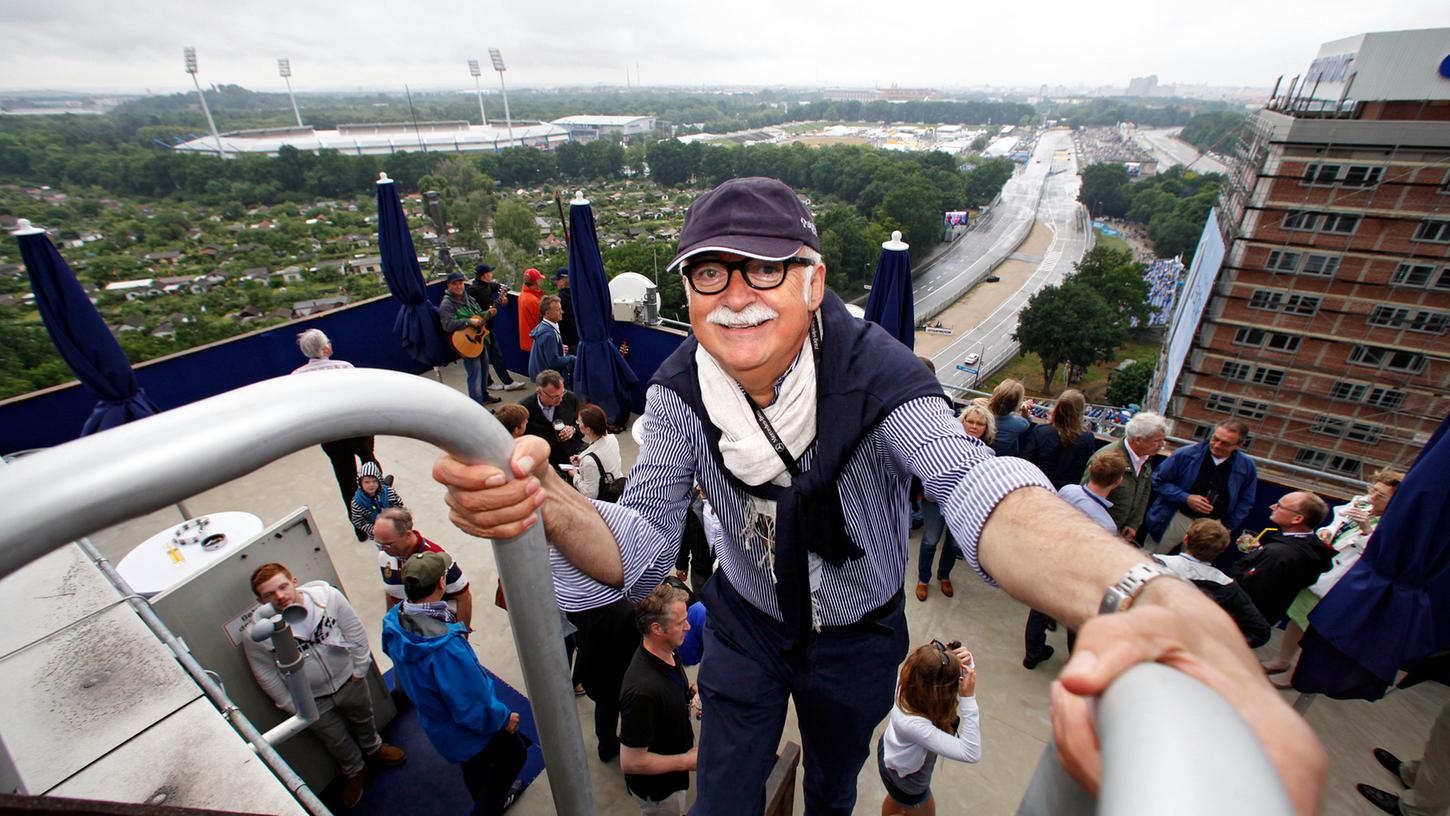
(1015, 724)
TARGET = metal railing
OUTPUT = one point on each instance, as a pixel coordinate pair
(67, 492)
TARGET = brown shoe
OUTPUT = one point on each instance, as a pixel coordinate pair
(352, 790)
(921, 590)
(389, 755)
(946, 588)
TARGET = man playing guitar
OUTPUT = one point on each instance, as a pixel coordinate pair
(463, 318)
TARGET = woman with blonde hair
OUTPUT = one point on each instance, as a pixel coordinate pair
(935, 715)
(1007, 404)
(978, 422)
(1061, 447)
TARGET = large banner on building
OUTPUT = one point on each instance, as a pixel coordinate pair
(1201, 276)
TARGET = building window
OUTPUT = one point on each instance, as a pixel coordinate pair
(1395, 360)
(1345, 465)
(1301, 220)
(1321, 265)
(1438, 231)
(1320, 174)
(1235, 371)
(1287, 343)
(1306, 305)
(1344, 224)
(1360, 432)
(1388, 316)
(1327, 426)
(1250, 337)
(1266, 299)
(1271, 377)
(1430, 322)
(1308, 457)
(1282, 261)
(1342, 390)
(1202, 432)
(1221, 403)
(1412, 274)
(1252, 409)
(1363, 175)
(1385, 398)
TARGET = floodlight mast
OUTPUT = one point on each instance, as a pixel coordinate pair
(498, 66)
(284, 67)
(478, 89)
(190, 54)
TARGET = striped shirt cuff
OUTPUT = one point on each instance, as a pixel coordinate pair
(640, 548)
(974, 498)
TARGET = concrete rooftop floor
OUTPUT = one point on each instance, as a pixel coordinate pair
(1015, 724)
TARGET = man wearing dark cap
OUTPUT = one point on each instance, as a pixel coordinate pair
(529, 312)
(456, 311)
(457, 707)
(567, 326)
(805, 426)
(493, 296)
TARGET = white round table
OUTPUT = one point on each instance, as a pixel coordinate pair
(150, 568)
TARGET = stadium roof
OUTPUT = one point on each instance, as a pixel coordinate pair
(386, 137)
(590, 120)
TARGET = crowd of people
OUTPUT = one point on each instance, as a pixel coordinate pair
(780, 451)
(1164, 277)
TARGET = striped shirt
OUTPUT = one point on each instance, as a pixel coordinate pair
(920, 438)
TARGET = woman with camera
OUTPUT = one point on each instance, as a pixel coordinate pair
(935, 715)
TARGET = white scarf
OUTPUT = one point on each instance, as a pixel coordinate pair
(748, 453)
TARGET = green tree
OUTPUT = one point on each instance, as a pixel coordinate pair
(1130, 384)
(514, 223)
(1067, 324)
(985, 181)
(672, 163)
(1104, 190)
(1118, 280)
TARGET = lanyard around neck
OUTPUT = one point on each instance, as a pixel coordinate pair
(768, 429)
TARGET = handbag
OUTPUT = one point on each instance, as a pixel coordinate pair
(610, 488)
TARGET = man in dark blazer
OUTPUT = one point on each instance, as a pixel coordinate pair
(548, 407)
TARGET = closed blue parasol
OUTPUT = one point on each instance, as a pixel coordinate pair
(1388, 611)
(600, 373)
(890, 305)
(81, 336)
(417, 322)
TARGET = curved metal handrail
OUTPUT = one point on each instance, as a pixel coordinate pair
(74, 489)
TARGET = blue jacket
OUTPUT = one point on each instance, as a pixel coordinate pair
(548, 352)
(439, 672)
(1174, 478)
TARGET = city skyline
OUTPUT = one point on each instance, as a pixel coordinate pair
(85, 45)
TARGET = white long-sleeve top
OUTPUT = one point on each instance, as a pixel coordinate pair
(333, 639)
(909, 738)
(587, 476)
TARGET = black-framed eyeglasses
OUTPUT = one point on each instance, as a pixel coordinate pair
(711, 276)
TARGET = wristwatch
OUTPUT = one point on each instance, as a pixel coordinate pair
(1121, 595)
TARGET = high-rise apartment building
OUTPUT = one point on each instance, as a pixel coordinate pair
(1324, 326)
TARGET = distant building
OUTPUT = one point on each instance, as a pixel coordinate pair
(588, 127)
(385, 138)
(1324, 326)
(1142, 86)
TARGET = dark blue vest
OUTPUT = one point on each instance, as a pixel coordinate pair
(863, 375)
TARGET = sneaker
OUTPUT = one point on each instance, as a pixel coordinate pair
(352, 790)
(389, 755)
(514, 386)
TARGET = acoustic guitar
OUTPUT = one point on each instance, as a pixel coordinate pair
(468, 341)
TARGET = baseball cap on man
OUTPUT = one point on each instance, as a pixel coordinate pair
(533, 275)
(455, 276)
(482, 269)
(755, 217)
(425, 568)
(561, 272)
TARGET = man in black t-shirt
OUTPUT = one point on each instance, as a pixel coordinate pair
(656, 738)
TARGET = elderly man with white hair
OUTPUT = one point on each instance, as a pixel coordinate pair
(344, 454)
(1144, 437)
(805, 427)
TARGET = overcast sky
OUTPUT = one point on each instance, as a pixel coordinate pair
(347, 44)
